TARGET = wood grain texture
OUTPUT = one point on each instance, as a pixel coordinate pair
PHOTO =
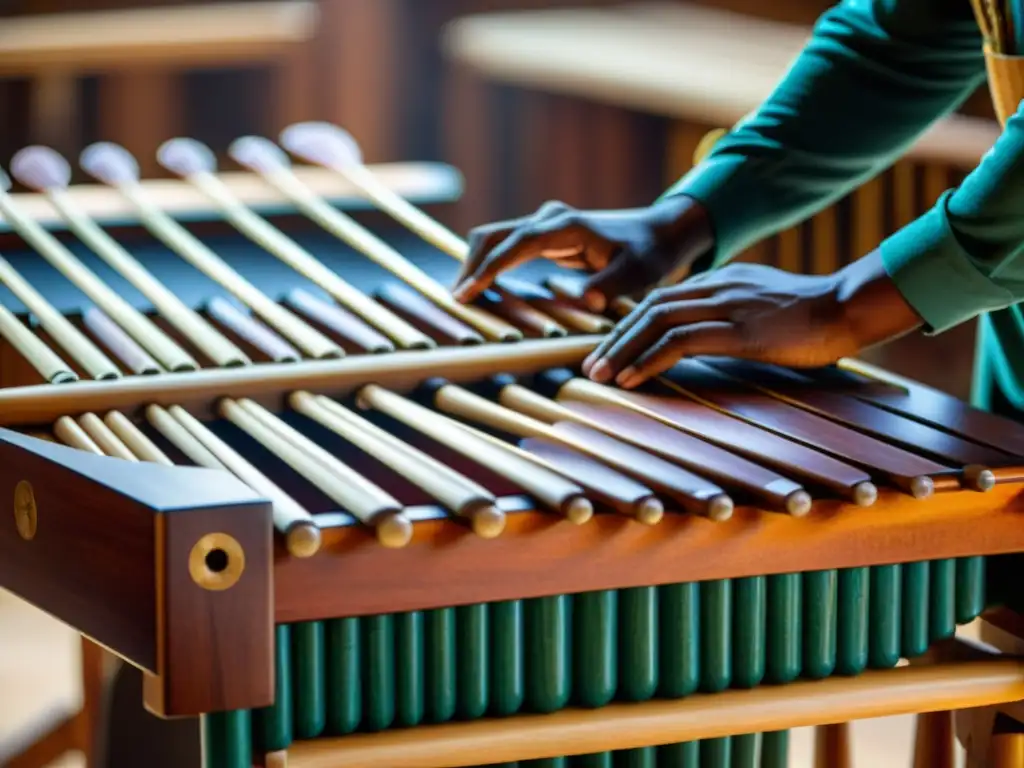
(100, 535)
(270, 384)
(541, 554)
(700, 716)
(215, 646)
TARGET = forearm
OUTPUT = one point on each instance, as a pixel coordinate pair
(872, 306)
(871, 80)
(966, 255)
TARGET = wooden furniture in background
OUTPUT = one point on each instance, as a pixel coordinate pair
(140, 52)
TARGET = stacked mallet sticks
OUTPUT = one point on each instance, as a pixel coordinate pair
(332, 148)
(195, 163)
(130, 336)
(43, 169)
(46, 171)
(686, 488)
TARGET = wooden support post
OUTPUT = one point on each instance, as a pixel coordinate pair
(54, 110)
(140, 108)
(832, 747)
(933, 742)
(360, 65)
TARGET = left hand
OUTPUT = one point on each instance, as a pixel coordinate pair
(757, 313)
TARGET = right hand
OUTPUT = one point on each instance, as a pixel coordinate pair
(628, 250)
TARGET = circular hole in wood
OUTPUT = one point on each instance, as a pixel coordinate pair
(216, 562)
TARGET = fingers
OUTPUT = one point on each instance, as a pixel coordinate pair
(654, 300)
(655, 325)
(499, 247)
(705, 338)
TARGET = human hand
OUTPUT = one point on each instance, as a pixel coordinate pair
(757, 313)
(629, 250)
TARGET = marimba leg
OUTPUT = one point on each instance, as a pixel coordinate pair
(832, 747)
(1007, 749)
(89, 720)
(933, 744)
(133, 737)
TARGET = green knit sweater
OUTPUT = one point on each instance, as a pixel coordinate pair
(873, 77)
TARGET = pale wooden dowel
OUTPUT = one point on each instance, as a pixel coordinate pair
(278, 244)
(70, 339)
(68, 431)
(115, 166)
(182, 439)
(136, 440)
(214, 345)
(446, 241)
(549, 488)
(471, 407)
(365, 501)
(120, 344)
(170, 355)
(453, 490)
(33, 350)
(301, 532)
(354, 234)
(402, 370)
(403, 211)
(572, 317)
(104, 437)
(467, 405)
(181, 241)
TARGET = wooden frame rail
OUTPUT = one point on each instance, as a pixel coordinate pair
(905, 690)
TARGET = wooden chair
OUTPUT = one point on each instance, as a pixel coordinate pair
(140, 51)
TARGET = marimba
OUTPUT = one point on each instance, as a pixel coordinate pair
(345, 520)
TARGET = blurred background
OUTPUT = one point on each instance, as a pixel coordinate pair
(599, 103)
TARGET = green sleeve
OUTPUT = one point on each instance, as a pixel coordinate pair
(873, 77)
(966, 255)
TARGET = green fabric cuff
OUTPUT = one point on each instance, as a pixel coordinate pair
(936, 275)
(706, 183)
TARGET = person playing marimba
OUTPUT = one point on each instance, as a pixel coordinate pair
(873, 77)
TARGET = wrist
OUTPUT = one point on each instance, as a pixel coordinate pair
(873, 309)
(682, 232)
